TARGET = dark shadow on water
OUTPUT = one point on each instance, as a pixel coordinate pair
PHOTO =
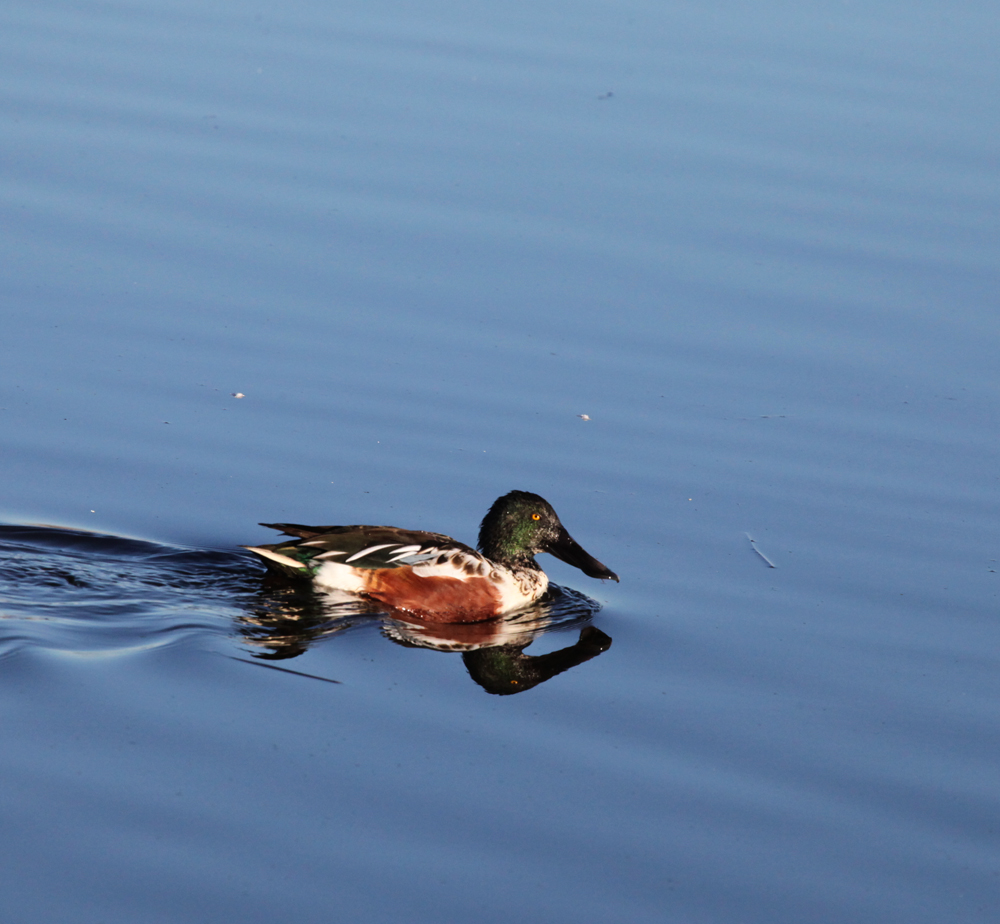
(289, 617)
(507, 669)
(493, 651)
(71, 590)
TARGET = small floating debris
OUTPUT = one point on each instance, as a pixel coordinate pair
(284, 670)
(238, 394)
(753, 545)
(607, 95)
(583, 416)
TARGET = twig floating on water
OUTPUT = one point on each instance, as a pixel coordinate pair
(286, 670)
(753, 545)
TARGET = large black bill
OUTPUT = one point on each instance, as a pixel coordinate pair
(567, 549)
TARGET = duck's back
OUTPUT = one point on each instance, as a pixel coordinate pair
(426, 573)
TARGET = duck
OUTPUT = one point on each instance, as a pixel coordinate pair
(430, 575)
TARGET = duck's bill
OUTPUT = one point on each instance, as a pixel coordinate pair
(567, 549)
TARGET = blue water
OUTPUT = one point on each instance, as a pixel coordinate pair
(697, 274)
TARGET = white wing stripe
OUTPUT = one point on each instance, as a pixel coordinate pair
(404, 552)
(370, 549)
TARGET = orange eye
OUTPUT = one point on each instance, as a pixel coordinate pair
(536, 516)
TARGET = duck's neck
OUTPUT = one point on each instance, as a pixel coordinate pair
(510, 556)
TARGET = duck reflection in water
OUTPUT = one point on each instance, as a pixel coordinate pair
(287, 618)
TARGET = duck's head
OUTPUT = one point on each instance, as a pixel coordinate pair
(521, 524)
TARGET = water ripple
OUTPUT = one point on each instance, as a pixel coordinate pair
(75, 591)
(86, 593)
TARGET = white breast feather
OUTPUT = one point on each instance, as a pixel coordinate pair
(521, 589)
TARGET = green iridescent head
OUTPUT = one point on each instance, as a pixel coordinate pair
(521, 524)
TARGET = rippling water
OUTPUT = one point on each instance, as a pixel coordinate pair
(718, 281)
(72, 591)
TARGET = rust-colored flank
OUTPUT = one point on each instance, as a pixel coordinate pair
(439, 599)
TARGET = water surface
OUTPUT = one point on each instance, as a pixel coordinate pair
(694, 273)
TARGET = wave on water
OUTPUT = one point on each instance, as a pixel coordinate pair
(76, 591)
(71, 590)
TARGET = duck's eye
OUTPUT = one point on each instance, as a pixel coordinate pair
(536, 516)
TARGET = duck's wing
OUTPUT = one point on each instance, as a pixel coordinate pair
(369, 547)
(303, 532)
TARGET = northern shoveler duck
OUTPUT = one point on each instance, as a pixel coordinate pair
(435, 576)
